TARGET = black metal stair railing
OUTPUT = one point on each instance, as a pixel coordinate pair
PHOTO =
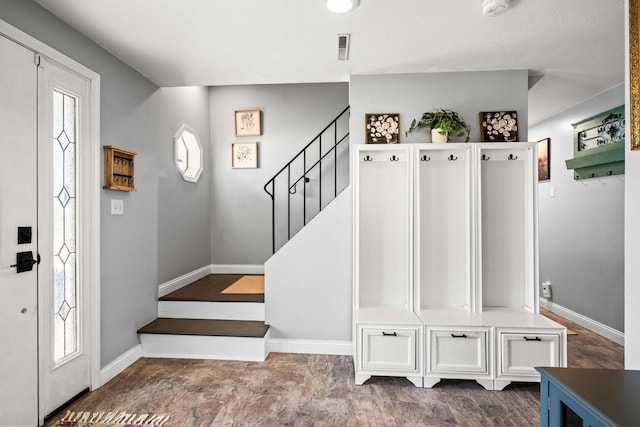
(319, 160)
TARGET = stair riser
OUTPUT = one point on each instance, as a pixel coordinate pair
(211, 310)
(205, 347)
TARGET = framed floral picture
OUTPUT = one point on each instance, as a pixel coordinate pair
(244, 155)
(544, 159)
(382, 128)
(247, 123)
(634, 72)
(499, 126)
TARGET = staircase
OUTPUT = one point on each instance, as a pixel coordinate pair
(311, 180)
(200, 321)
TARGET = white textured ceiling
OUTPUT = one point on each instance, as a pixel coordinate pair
(576, 46)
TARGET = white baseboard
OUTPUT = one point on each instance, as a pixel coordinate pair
(237, 269)
(185, 279)
(342, 348)
(590, 324)
(123, 361)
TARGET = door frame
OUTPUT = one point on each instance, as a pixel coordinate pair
(89, 190)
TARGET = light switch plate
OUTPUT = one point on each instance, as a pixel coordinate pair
(117, 207)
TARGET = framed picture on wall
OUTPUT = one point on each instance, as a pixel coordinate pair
(634, 73)
(382, 128)
(247, 122)
(244, 155)
(544, 159)
(498, 126)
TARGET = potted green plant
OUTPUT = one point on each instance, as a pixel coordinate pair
(442, 124)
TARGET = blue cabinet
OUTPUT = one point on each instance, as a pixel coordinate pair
(589, 397)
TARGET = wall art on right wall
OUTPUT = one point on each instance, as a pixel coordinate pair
(544, 159)
(498, 126)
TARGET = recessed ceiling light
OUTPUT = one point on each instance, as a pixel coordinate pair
(342, 6)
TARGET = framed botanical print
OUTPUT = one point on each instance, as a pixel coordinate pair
(382, 128)
(247, 123)
(498, 126)
(244, 155)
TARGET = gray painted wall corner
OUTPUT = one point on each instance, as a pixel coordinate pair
(581, 227)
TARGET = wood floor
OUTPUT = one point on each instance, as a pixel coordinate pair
(209, 288)
(319, 390)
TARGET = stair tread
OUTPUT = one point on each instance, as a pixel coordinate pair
(209, 289)
(207, 327)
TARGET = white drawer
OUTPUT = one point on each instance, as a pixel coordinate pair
(520, 352)
(457, 351)
(391, 349)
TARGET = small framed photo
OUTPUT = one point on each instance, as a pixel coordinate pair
(244, 155)
(544, 159)
(382, 128)
(498, 126)
(247, 122)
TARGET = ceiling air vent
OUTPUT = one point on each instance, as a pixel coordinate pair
(343, 47)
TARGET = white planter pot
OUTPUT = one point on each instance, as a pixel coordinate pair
(437, 138)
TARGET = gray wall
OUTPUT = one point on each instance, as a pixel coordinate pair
(581, 229)
(135, 114)
(184, 220)
(410, 95)
(291, 116)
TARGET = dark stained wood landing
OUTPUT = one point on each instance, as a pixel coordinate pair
(209, 289)
(218, 328)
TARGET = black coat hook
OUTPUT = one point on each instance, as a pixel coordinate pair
(425, 158)
(394, 158)
(452, 158)
(512, 157)
(485, 157)
(367, 158)
(610, 173)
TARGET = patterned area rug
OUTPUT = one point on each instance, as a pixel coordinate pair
(246, 285)
(111, 419)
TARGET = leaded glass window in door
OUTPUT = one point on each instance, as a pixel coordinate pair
(65, 289)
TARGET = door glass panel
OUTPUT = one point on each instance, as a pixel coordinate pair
(65, 295)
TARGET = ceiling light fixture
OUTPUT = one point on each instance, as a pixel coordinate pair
(342, 6)
(494, 7)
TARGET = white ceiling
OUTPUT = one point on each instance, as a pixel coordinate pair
(576, 46)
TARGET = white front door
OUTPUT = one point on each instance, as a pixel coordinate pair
(47, 257)
(18, 208)
(65, 344)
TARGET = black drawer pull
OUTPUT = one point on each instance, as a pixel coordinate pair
(532, 339)
(389, 334)
(459, 336)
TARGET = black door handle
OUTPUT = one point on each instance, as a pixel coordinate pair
(25, 261)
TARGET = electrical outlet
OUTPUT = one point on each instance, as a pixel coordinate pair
(117, 207)
(546, 289)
